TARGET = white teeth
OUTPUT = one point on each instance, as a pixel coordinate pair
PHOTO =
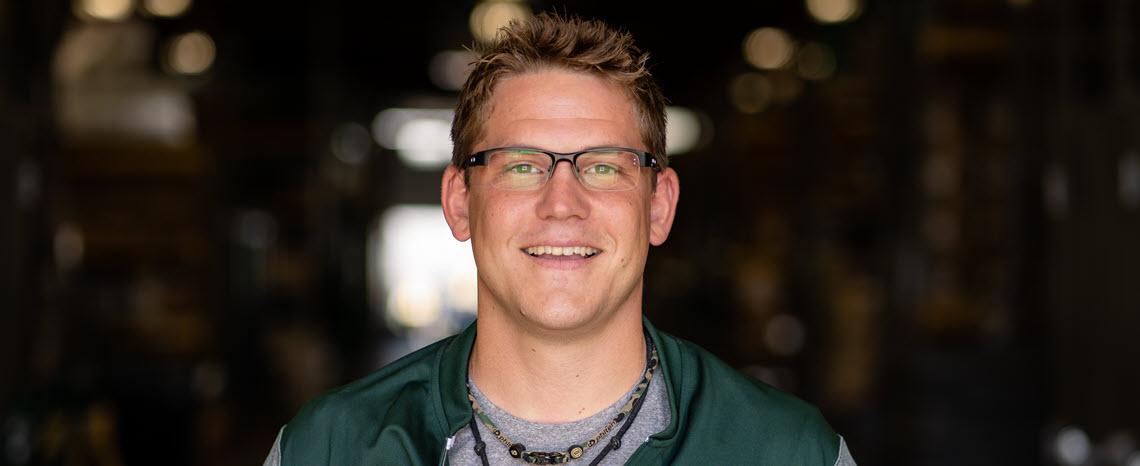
(583, 251)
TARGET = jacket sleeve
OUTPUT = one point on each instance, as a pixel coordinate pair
(817, 442)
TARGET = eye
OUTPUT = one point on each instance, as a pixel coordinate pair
(522, 169)
(601, 169)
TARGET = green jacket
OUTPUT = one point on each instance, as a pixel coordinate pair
(406, 413)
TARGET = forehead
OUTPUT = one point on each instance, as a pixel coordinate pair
(560, 110)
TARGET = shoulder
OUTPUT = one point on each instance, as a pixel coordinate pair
(410, 375)
(726, 406)
(725, 384)
(398, 394)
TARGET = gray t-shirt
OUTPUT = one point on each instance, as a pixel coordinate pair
(653, 417)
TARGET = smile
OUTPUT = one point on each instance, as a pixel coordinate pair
(583, 251)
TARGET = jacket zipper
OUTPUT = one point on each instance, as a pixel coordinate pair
(446, 449)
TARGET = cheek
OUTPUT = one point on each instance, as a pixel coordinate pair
(485, 211)
(495, 222)
(636, 217)
(628, 221)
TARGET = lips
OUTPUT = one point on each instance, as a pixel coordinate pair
(557, 251)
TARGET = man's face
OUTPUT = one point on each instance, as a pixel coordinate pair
(559, 111)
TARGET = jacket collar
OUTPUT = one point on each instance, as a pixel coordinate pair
(455, 410)
(450, 382)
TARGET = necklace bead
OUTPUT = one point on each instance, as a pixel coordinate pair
(576, 451)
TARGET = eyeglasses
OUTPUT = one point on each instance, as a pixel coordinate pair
(598, 169)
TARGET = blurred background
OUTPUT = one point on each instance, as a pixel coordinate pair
(921, 215)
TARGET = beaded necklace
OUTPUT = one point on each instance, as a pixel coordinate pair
(517, 450)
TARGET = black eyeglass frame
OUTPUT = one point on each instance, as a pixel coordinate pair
(644, 159)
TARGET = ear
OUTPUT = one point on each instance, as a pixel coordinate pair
(454, 198)
(663, 206)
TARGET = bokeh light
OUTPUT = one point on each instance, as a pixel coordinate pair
(424, 273)
(166, 8)
(462, 294)
(424, 143)
(1055, 190)
(833, 11)
(255, 229)
(191, 53)
(68, 246)
(682, 130)
(105, 10)
(421, 137)
(1117, 447)
(750, 92)
(784, 335)
(414, 304)
(1128, 180)
(1072, 446)
(29, 184)
(351, 143)
(769, 48)
(941, 176)
(488, 17)
(449, 68)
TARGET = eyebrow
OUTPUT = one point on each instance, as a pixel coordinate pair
(542, 147)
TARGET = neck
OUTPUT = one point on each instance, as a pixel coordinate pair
(556, 377)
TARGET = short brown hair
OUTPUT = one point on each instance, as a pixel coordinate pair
(553, 41)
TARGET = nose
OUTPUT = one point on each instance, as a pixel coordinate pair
(563, 196)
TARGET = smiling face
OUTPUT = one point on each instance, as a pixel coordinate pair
(561, 257)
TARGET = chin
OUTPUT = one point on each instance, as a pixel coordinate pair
(560, 316)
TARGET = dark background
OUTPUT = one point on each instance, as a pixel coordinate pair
(949, 221)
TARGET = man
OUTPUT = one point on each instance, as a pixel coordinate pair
(560, 365)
